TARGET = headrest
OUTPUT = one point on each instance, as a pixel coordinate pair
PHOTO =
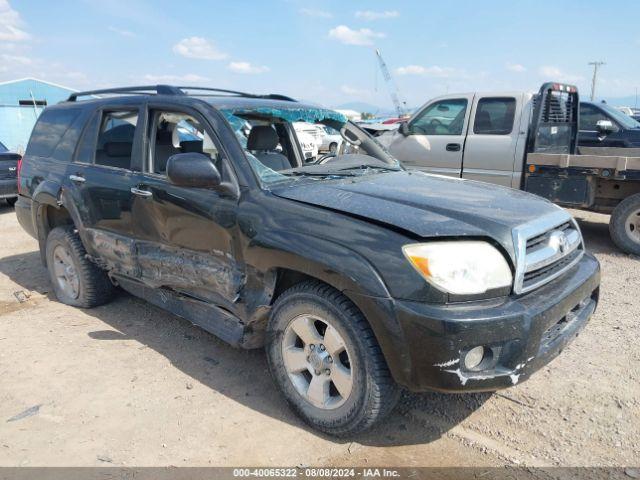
(191, 146)
(118, 149)
(164, 137)
(262, 137)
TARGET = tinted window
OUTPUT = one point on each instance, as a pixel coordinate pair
(494, 116)
(115, 139)
(589, 116)
(49, 130)
(87, 145)
(445, 117)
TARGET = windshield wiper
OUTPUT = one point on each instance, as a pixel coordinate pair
(366, 166)
(302, 173)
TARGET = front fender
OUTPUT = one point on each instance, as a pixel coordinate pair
(346, 271)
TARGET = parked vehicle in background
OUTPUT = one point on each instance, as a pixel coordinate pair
(8, 174)
(356, 275)
(529, 141)
(310, 139)
(602, 125)
(330, 140)
(633, 112)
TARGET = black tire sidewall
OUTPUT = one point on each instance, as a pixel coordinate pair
(59, 237)
(307, 303)
(617, 224)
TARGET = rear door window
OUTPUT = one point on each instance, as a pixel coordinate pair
(115, 138)
(494, 116)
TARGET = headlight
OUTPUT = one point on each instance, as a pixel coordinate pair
(460, 267)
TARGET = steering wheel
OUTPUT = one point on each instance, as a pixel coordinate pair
(343, 134)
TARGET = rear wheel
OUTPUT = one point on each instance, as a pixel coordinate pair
(327, 362)
(624, 225)
(11, 201)
(76, 280)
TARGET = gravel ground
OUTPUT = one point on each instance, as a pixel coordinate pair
(128, 384)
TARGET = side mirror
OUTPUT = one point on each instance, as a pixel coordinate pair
(604, 127)
(192, 170)
(404, 129)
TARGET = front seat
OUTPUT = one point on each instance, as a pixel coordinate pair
(262, 141)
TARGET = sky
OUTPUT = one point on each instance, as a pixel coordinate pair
(323, 51)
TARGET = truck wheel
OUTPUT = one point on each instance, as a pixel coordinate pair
(624, 225)
(327, 362)
(76, 280)
(11, 201)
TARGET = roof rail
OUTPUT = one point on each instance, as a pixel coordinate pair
(146, 89)
(171, 90)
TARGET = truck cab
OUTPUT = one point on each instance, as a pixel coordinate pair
(602, 125)
(479, 136)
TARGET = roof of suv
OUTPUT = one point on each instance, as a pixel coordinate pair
(219, 98)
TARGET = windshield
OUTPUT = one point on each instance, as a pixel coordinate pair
(3, 148)
(288, 144)
(625, 120)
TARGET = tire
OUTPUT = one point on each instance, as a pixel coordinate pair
(92, 287)
(11, 201)
(624, 225)
(333, 148)
(371, 394)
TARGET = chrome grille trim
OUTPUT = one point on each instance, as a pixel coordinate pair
(540, 254)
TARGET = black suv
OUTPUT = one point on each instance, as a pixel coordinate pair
(356, 275)
(8, 170)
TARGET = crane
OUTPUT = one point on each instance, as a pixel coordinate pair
(391, 85)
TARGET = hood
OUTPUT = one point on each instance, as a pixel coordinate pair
(427, 205)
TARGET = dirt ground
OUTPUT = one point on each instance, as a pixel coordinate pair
(128, 384)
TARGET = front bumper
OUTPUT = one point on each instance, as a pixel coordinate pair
(522, 333)
(8, 187)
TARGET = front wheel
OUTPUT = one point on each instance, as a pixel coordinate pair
(327, 362)
(624, 225)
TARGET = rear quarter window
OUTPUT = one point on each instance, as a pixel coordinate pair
(49, 131)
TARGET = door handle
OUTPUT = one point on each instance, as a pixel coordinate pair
(77, 178)
(453, 147)
(141, 193)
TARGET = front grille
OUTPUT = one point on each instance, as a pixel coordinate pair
(545, 248)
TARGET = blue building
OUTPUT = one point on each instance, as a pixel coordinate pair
(21, 102)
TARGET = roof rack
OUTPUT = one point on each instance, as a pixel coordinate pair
(172, 90)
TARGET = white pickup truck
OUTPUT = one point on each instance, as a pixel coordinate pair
(526, 141)
(480, 136)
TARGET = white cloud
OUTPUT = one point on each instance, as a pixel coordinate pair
(552, 73)
(11, 24)
(515, 67)
(15, 59)
(434, 71)
(312, 12)
(189, 77)
(371, 15)
(198, 47)
(121, 32)
(348, 36)
(246, 67)
(354, 92)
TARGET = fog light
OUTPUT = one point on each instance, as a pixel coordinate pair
(474, 357)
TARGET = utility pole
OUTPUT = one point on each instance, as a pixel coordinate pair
(596, 65)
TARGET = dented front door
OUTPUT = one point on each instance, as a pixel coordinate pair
(184, 235)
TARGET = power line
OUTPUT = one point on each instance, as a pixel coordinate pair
(596, 65)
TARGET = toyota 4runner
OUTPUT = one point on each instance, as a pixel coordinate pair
(357, 276)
